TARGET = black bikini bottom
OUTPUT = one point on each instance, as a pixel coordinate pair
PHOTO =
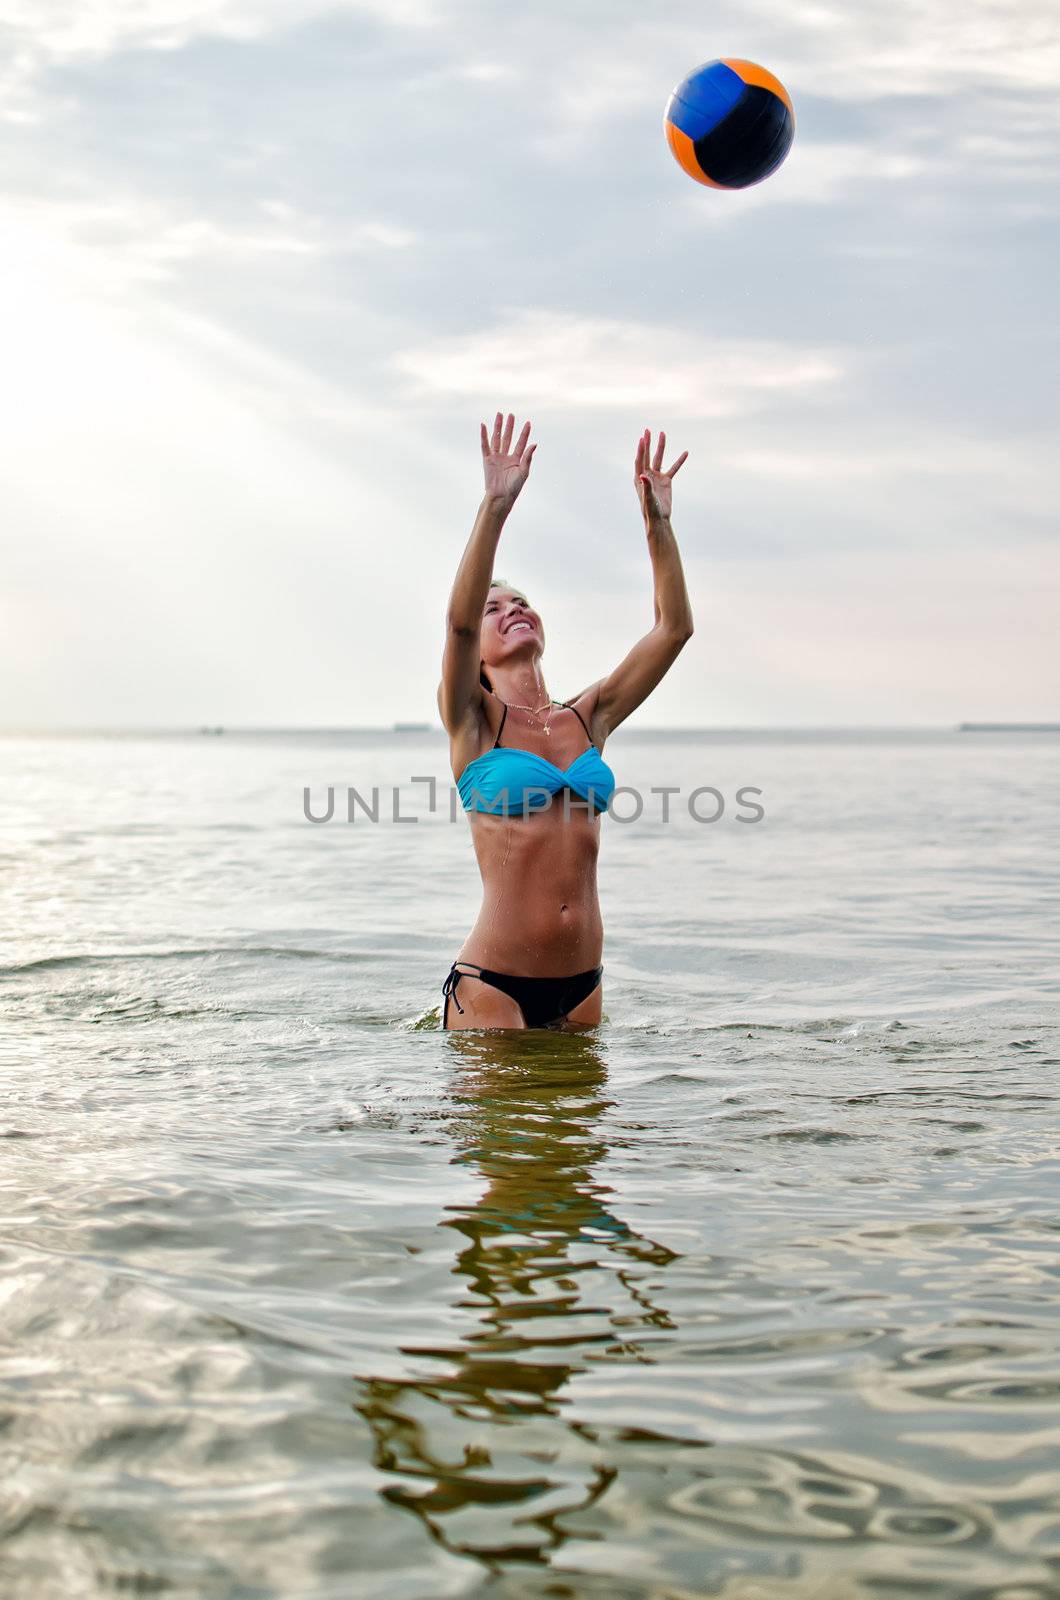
(541, 1000)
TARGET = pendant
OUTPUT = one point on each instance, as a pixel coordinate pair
(548, 730)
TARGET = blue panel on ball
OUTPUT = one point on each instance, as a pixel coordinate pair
(706, 96)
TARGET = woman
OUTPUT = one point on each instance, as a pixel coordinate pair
(531, 784)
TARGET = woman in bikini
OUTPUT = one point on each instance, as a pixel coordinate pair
(534, 797)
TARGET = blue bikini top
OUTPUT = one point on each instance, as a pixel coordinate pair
(527, 781)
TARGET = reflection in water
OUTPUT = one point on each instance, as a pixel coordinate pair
(555, 1281)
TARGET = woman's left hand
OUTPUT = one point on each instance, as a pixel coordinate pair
(652, 484)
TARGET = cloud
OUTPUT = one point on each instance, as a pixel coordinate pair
(814, 174)
(41, 34)
(136, 240)
(186, 517)
(1021, 467)
(904, 48)
(67, 29)
(937, 70)
(259, 256)
(569, 362)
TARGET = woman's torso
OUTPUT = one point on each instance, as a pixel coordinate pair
(540, 912)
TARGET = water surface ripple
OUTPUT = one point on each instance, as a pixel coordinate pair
(753, 1292)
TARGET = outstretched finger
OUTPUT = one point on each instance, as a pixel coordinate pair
(495, 442)
(520, 443)
(638, 460)
(527, 456)
(659, 448)
(485, 439)
(678, 464)
(509, 428)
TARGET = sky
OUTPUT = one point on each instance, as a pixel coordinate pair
(267, 264)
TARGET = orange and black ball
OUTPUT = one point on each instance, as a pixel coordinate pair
(730, 124)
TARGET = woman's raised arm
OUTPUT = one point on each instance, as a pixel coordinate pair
(651, 658)
(505, 471)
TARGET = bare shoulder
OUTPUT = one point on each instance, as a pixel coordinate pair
(586, 704)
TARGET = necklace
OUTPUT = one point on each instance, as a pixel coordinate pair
(535, 711)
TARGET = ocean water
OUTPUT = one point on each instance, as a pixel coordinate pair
(754, 1291)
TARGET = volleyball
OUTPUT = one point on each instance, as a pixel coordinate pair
(730, 124)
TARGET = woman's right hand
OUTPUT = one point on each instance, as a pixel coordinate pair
(505, 469)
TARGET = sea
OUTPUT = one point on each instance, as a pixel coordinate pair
(752, 1291)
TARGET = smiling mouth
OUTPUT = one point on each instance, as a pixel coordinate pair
(528, 626)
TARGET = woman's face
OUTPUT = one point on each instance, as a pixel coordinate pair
(510, 627)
